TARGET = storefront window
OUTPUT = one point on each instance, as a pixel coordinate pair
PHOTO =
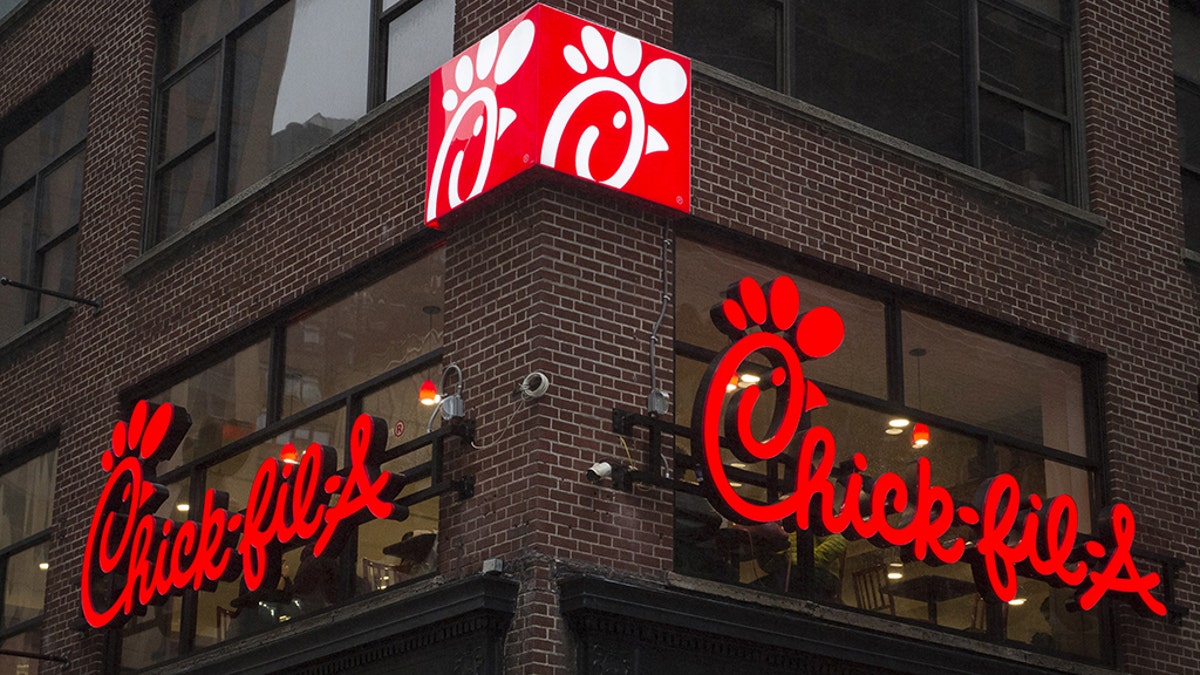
(26, 506)
(985, 406)
(985, 83)
(251, 86)
(306, 383)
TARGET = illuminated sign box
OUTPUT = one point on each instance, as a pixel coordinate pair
(551, 90)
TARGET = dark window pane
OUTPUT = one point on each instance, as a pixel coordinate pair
(1022, 146)
(740, 37)
(419, 41)
(16, 232)
(26, 495)
(1021, 59)
(25, 585)
(1053, 8)
(29, 642)
(377, 328)
(226, 402)
(993, 384)
(60, 195)
(1187, 104)
(58, 272)
(894, 66)
(203, 23)
(44, 142)
(185, 192)
(1191, 209)
(1185, 42)
(704, 274)
(300, 77)
(190, 107)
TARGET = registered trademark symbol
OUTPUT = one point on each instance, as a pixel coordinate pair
(399, 428)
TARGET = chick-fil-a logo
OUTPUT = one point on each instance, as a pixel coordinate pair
(1013, 534)
(551, 89)
(150, 558)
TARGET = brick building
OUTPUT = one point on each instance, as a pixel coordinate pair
(995, 196)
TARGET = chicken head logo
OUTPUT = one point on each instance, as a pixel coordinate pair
(549, 89)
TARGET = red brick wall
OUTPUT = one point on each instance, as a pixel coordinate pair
(558, 279)
(556, 282)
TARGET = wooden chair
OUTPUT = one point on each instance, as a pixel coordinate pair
(379, 575)
(871, 590)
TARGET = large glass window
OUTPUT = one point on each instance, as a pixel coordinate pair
(26, 505)
(989, 406)
(984, 82)
(1185, 43)
(251, 86)
(305, 382)
(41, 184)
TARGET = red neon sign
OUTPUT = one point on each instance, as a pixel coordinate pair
(1013, 534)
(550, 89)
(153, 558)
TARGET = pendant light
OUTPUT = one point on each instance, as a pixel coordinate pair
(920, 431)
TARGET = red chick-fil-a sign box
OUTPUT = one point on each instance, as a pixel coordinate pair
(552, 90)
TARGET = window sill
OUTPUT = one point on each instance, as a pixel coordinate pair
(807, 611)
(53, 324)
(221, 218)
(1040, 213)
(1191, 259)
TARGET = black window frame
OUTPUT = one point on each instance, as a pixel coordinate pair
(1065, 27)
(273, 330)
(10, 461)
(58, 92)
(1187, 169)
(219, 139)
(896, 300)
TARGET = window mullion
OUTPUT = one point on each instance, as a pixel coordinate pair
(377, 57)
(894, 341)
(276, 374)
(971, 78)
(224, 120)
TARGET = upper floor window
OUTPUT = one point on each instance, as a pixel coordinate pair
(248, 86)
(26, 505)
(985, 406)
(41, 183)
(984, 82)
(305, 382)
(1185, 42)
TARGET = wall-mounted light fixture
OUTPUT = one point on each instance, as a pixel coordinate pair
(451, 404)
(429, 393)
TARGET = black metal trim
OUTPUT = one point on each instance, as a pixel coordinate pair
(482, 603)
(721, 620)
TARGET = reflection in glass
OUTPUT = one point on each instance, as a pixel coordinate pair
(58, 272)
(419, 41)
(25, 585)
(739, 37)
(226, 402)
(1022, 146)
(896, 67)
(1014, 56)
(59, 198)
(190, 107)
(701, 280)
(993, 384)
(1047, 618)
(16, 231)
(363, 335)
(185, 192)
(300, 76)
(29, 642)
(45, 141)
(26, 499)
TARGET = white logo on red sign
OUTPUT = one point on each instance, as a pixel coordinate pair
(553, 90)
